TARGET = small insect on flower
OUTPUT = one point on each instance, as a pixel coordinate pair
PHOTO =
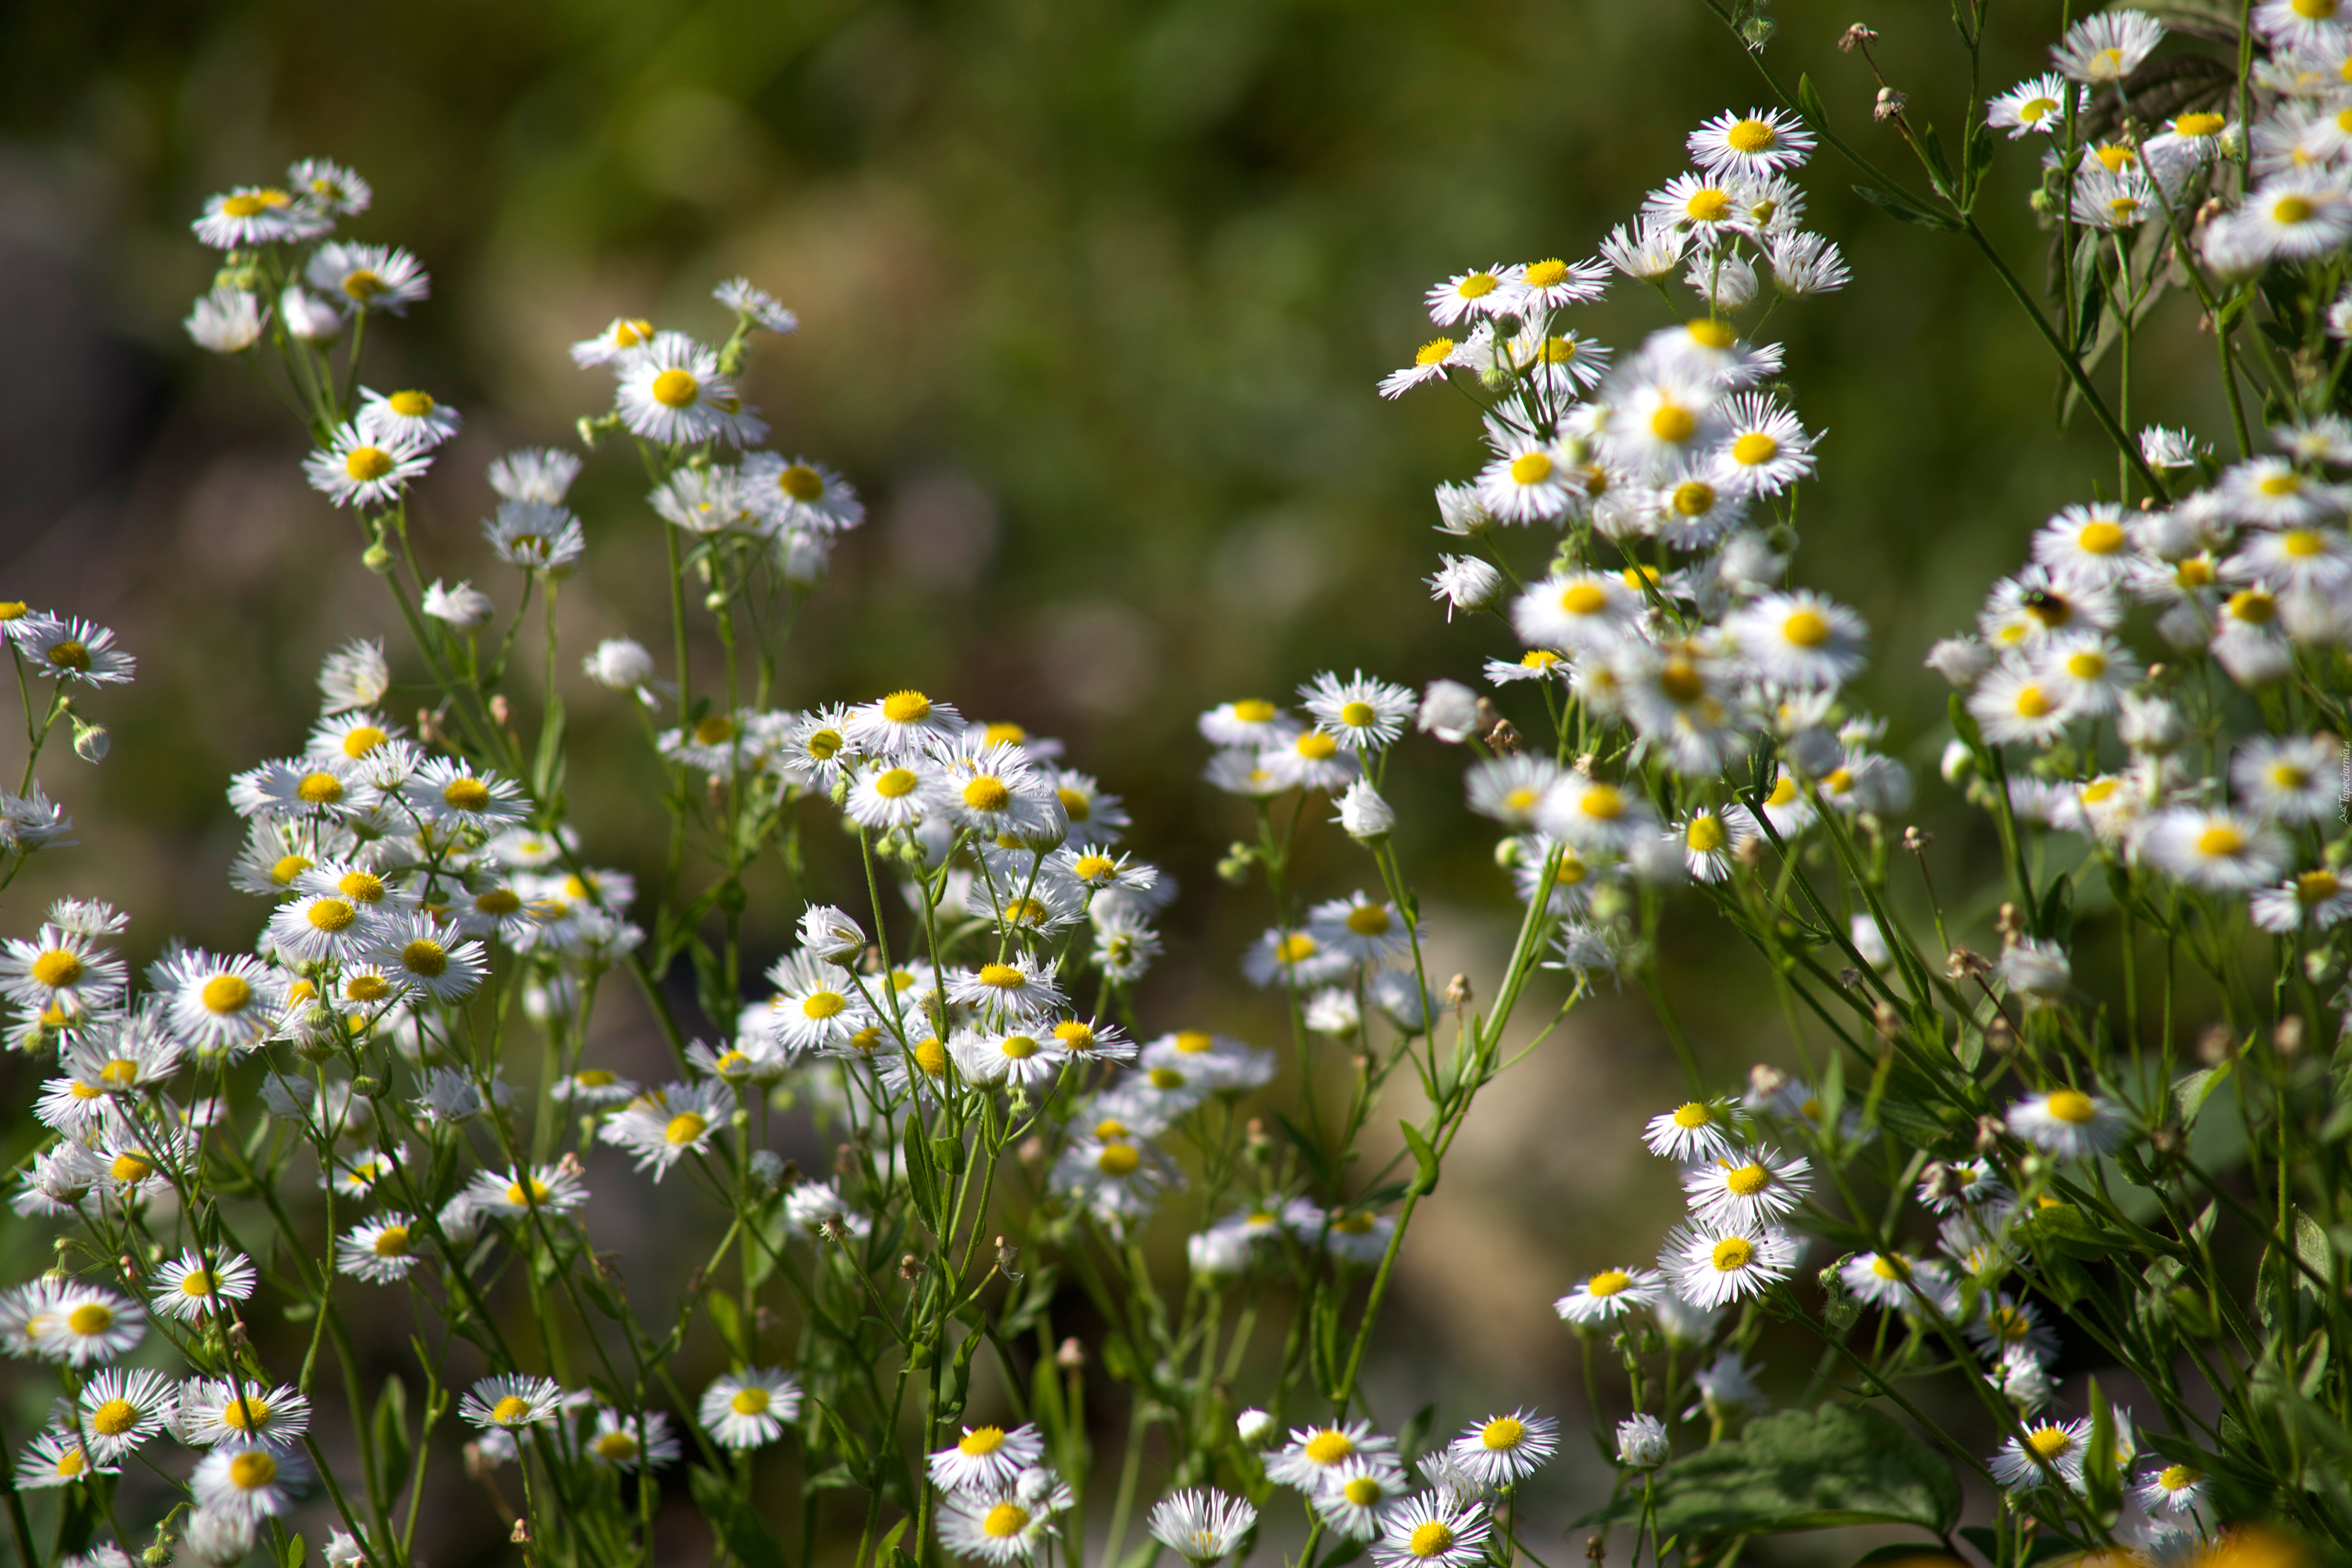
(511, 1401)
(986, 1459)
(750, 1408)
(1503, 1450)
(188, 1287)
(252, 1484)
(2069, 1123)
(381, 1252)
(1202, 1524)
(1432, 1531)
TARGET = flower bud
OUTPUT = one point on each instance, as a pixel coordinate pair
(90, 741)
(1366, 817)
(619, 664)
(376, 559)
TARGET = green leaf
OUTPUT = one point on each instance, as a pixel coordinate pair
(296, 1549)
(729, 1319)
(391, 1425)
(2191, 1092)
(1897, 206)
(918, 1173)
(547, 767)
(738, 1526)
(1425, 1158)
(1809, 101)
(1308, 1148)
(1345, 1551)
(1802, 1469)
(2102, 1485)
(1907, 1552)
(1931, 152)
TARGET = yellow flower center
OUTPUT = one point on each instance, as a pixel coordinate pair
(367, 463)
(1118, 1160)
(510, 1410)
(1356, 715)
(1364, 1492)
(392, 1241)
(1005, 1520)
(1754, 448)
(1603, 803)
(1708, 205)
(362, 739)
(517, 1198)
(1784, 791)
(1253, 710)
(2172, 1478)
(90, 1318)
(466, 794)
(1693, 498)
(1750, 136)
(987, 793)
(1434, 351)
(906, 707)
(617, 1446)
(2033, 702)
(1316, 747)
(1531, 468)
(114, 1417)
(331, 915)
(2100, 539)
(2253, 607)
(1608, 1282)
(749, 1402)
(1503, 1432)
(1746, 1180)
(292, 866)
(1432, 1538)
(1329, 1447)
(822, 1004)
(1711, 334)
(58, 967)
(980, 1441)
(2050, 1441)
(1672, 423)
(675, 389)
(252, 1470)
(932, 1056)
(410, 404)
(498, 901)
(196, 1282)
(2221, 841)
(1584, 598)
(685, 1128)
(895, 784)
(1020, 1047)
(1693, 1115)
(1296, 948)
(1369, 919)
(1889, 1268)
(1477, 286)
(2209, 124)
(246, 1415)
(1734, 1253)
(2072, 1106)
(2316, 887)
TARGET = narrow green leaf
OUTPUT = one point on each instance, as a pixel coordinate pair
(1895, 206)
(1425, 1158)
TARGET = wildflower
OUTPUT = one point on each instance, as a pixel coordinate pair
(1642, 1443)
(2050, 1452)
(626, 1441)
(751, 1408)
(188, 1287)
(1505, 1449)
(56, 1459)
(214, 1411)
(1696, 1130)
(511, 1401)
(1201, 1525)
(121, 1410)
(1748, 1186)
(2216, 850)
(1429, 1531)
(2068, 1123)
(662, 1127)
(382, 1251)
(1714, 1263)
(995, 1525)
(1359, 1492)
(552, 1189)
(1608, 1295)
(1313, 1454)
(79, 1324)
(2103, 48)
(251, 1484)
(986, 1458)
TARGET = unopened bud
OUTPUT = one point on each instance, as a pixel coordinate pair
(910, 1267)
(2216, 1043)
(2287, 1039)
(1007, 1255)
(2001, 1035)
(1503, 738)
(1890, 104)
(1457, 992)
(90, 741)
(1072, 1355)
(1886, 1020)
(1596, 1548)
(521, 1534)
(1855, 38)
(1988, 1134)
(1765, 1080)
(499, 711)
(376, 559)
(1960, 962)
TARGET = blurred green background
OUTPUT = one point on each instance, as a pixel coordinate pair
(1093, 299)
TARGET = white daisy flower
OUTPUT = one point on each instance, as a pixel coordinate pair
(2035, 106)
(997, 1525)
(1595, 815)
(1712, 1264)
(553, 1189)
(1360, 929)
(1314, 1454)
(1430, 1530)
(1488, 292)
(1748, 1187)
(1899, 1283)
(1311, 760)
(800, 494)
(1361, 713)
(1608, 1295)
(2175, 1490)
(1802, 639)
(56, 1459)
(623, 1441)
(511, 1401)
(253, 216)
(213, 1411)
(367, 277)
(756, 305)
(671, 391)
(121, 1410)
(80, 1324)
(903, 723)
(2017, 705)
(1201, 1525)
(227, 321)
(1251, 722)
(1762, 141)
(1697, 1130)
(662, 1127)
(2046, 1454)
(535, 536)
(2069, 1123)
(986, 1459)
(1530, 479)
(71, 649)
(2215, 849)
(2288, 779)
(187, 1287)
(2318, 899)
(2103, 48)
(1503, 1450)
(1360, 1491)
(381, 1251)
(751, 1408)
(251, 1484)
(359, 467)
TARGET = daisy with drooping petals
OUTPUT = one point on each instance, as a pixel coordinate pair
(367, 277)
(2318, 899)
(1697, 1130)
(1201, 1525)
